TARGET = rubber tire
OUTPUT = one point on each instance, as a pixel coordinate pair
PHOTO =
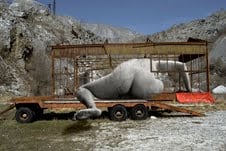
(143, 112)
(118, 109)
(30, 115)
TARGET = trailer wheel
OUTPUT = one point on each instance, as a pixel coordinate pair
(139, 112)
(118, 113)
(25, 115)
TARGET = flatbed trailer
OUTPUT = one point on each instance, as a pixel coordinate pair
(30, 108)
(74, 65)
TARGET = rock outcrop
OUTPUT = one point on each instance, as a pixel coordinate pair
(27, 30)
(113, 34)
(208, 28)
(212, 29)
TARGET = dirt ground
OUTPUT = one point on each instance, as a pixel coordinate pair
(160, 132)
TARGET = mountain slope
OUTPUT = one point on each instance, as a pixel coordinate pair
(27, 30)
(212, 29)
(207, 28)
(218, 61)
(113, 34)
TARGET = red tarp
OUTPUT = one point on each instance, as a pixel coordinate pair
(195, 97)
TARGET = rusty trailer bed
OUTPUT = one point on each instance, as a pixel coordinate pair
(52, 102)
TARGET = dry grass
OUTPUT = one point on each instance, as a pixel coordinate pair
(5, 98)
(217, 106)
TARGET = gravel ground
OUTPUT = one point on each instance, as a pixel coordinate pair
(171, 133)
(162, 133)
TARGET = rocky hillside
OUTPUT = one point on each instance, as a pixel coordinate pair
(212, 29)
(208, 28)
(218, 61)
(27, 30)
(113, 34)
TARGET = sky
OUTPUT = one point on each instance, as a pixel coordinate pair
(143, 16)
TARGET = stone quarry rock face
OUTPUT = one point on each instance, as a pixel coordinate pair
(212, 29)
(217, 59)
(113, 34)
(27, 30)
(218, 56)
(208, 28)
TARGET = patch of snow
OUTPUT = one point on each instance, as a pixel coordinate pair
(219, 90)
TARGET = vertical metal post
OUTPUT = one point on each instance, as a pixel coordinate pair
(60, 74)
(54, 7)
(199, 72)
(50, 6)
(151, 70)
(191, 72)
(53, 74)
(167, 65)
(74, 84)
(76, 79)
(207, 69)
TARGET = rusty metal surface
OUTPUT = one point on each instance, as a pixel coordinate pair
(52, 102)
(127, 103)
(31, 100)
(93, 58)
(130, 48)
(174, 108)
(70, 63)
(164, 97)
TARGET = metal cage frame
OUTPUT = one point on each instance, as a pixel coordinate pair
(70, 60)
